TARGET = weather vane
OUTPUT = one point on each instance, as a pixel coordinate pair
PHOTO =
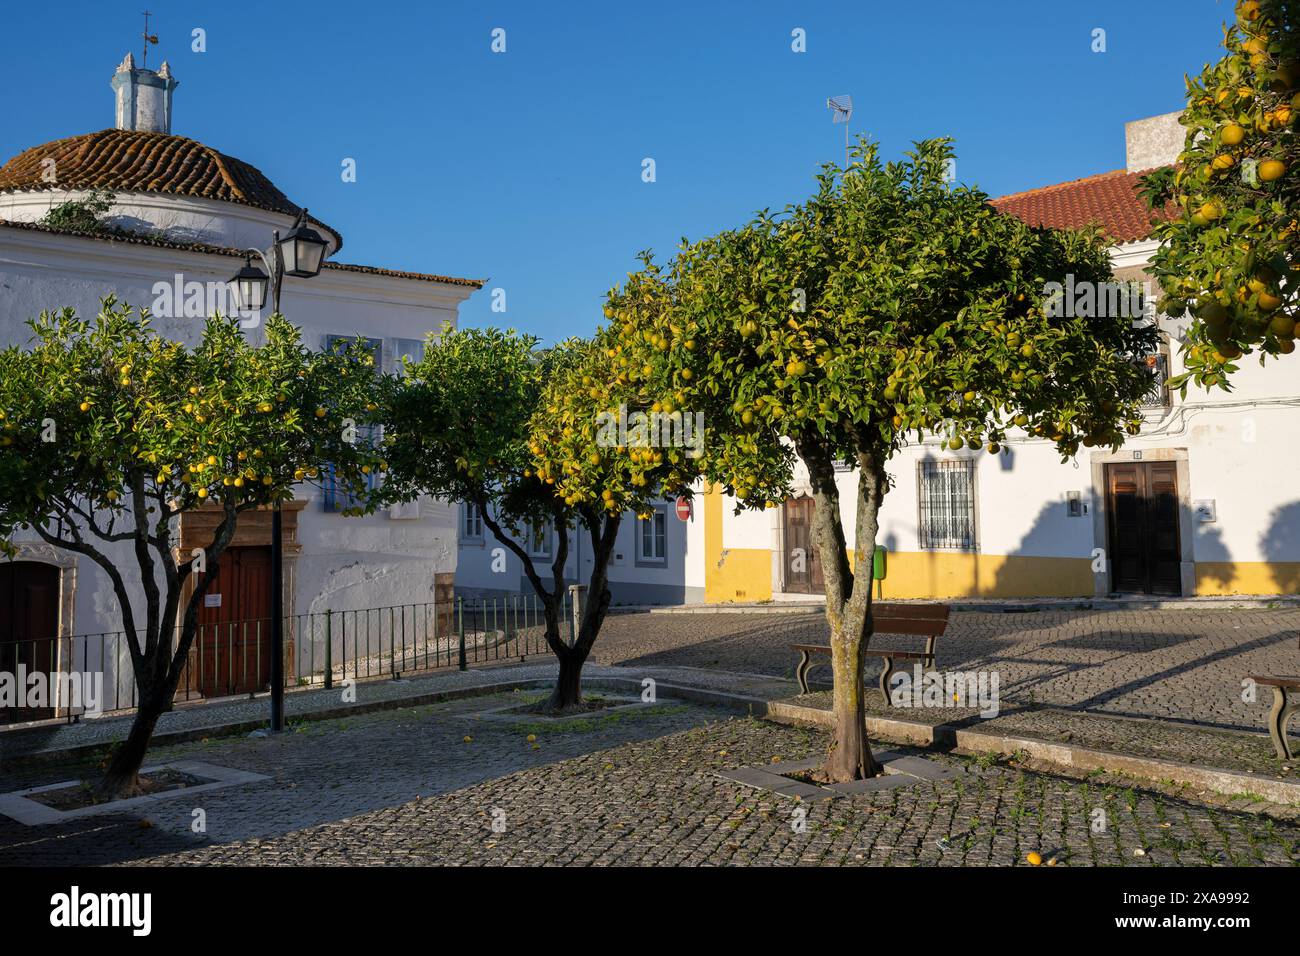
(148, 38)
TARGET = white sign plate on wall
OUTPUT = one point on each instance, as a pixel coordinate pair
(212, 600)
(1205, 510)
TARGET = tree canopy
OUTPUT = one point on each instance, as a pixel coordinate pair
(889, 307)
(1228, 252)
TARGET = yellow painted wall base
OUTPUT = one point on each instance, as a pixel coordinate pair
(736, 574)
(938, 574)
(1247, 577)
(739, 575)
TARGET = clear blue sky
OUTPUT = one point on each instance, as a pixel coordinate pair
(525, 167)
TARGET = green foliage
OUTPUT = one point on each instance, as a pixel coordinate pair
(1227, 254)
(890, 304)
(587, 443)
(456, 424)
(81, 215)
(106, 418)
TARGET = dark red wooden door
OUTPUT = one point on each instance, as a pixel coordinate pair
(1142, 517)
(234, 637)
(803, 567)
(29, 626)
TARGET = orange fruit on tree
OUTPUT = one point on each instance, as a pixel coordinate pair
(1271, 169)
(1282, 326)
(1232, 134)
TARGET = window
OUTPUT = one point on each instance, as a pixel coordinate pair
(1157, 363)
(539, 541)
(471, 523)
(652, 537)
(412, 349)
(946, 490)
(334, 497)
(339, 343)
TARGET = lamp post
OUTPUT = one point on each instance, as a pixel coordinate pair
(300, 253)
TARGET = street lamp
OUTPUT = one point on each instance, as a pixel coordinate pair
(303, 250)
(301, 253)
(250, 285)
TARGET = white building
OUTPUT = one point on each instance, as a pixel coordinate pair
(182, 214)
(655, 561)
(1203, 502)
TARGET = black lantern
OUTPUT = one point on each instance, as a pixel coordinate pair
(302, 250)
(250, 285)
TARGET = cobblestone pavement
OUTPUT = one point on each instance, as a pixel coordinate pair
(328, 770)
(660, 802)
(1184, 665)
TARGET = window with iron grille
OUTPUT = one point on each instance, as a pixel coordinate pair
(946, 490)
(1157, 363)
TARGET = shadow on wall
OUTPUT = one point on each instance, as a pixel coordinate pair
(1213, 559)
(1280, 544)
(1025, 572)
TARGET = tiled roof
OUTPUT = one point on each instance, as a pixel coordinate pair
(138, 161)
(141, 239)
(1109, 200)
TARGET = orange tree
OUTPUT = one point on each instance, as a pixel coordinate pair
(1228, 250)
(110, 434)
(606, 447)
(888, 306)
(487, 418)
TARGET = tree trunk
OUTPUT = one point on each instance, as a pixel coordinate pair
(848, 606)
(122, 777)
(567, 695)
(850, 756)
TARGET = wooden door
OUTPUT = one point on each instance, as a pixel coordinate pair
(803, 567)
(29, 627)
(233, 644)
(1142, 521)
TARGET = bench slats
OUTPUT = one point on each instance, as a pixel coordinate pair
(915, 612)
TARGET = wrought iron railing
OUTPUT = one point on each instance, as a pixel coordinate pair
(1158, 395)
(322, 649)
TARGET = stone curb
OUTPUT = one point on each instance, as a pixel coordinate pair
(1279, 602)
(946, 736)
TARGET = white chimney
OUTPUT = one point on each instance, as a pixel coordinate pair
(1155, 141)
(144, 98)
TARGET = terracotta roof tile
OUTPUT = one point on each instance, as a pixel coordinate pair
(1109, 200)
(140, 239)
(139, 161)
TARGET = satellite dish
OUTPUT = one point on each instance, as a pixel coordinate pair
(841, 108)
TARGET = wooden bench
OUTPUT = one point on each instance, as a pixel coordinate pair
(1281, 711)
(925, 620)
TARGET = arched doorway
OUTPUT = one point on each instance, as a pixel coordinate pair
(29, 626)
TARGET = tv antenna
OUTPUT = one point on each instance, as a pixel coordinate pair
(841, 108)
(148, 39)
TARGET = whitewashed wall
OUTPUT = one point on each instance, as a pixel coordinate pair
(345, 562)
